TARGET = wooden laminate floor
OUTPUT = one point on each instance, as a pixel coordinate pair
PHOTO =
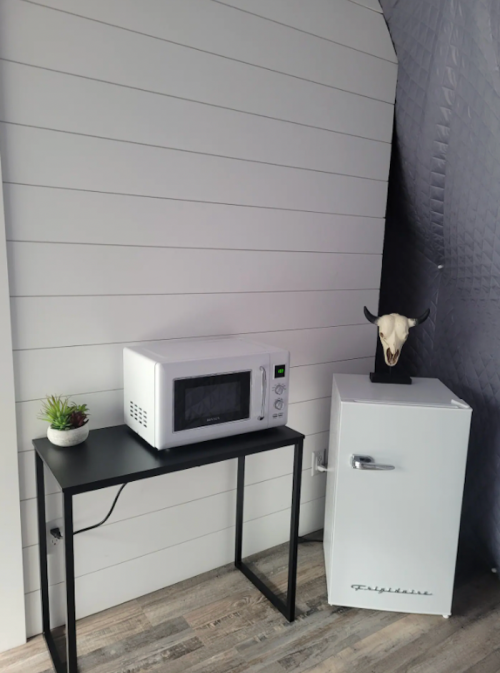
(219, 623)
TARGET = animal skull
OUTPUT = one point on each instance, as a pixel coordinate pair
(393, 331)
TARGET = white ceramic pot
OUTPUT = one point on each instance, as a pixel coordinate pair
(68, 437)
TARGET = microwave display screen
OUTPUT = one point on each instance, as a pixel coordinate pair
(211, 400)
(279, 371)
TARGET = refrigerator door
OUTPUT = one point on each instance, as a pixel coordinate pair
(395, 528)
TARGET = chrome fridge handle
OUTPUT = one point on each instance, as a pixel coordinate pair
(264, 392)
(367, 463)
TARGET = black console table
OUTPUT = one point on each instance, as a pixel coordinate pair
(117, 455)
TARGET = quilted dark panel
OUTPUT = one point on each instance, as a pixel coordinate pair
(442, 246)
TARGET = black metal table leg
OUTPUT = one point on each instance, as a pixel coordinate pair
(287, 608)
(240, 492)
(44, 579)
(294, 531)
(42, 539)
(69, 561)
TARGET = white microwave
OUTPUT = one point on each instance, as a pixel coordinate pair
(185, 391)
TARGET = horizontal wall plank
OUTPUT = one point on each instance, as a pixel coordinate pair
(46, 99)
(36, 269)
(165, 491)
(307, 381)
(123, 582)
(146, 534)
(40, 157)
(142, 534)
(107, 409)
(27, 478)
(98, 320)
(310, 417)
(371, 4)
(132, 60)
(177, 513)
(338, 20)
(273, 48)
(101, 367)
(71, 216)
(197, 23)
(315, 381)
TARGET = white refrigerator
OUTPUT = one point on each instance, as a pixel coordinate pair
(396, 469)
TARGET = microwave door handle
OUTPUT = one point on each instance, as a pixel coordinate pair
(264, 392)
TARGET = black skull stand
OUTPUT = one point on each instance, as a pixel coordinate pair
(390, 376)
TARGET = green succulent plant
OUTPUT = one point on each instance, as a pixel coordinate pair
(63, 414)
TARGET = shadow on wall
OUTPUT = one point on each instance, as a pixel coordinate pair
(442, 244)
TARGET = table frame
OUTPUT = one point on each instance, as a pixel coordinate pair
(286, 607)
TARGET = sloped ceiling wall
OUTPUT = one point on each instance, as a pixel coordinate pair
(442, 240)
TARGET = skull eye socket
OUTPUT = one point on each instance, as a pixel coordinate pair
(382, 334)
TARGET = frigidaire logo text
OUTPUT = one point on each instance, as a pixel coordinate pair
(389, 590)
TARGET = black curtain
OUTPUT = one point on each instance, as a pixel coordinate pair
(442, 243)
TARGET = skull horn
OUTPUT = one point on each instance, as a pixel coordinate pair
(369, 316)
(422, 318)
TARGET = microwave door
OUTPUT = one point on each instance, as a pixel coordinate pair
(212, 398)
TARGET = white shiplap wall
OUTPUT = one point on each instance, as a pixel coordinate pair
(188, 168)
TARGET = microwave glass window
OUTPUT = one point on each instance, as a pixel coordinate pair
(211, 400)
(217, 398)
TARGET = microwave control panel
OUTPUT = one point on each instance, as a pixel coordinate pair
(278, 408)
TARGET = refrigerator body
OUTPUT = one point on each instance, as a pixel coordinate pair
(396, 470)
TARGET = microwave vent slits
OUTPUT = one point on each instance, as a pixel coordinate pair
(138, 414)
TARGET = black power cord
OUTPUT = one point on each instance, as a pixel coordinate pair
(57, 533)
(84, 530)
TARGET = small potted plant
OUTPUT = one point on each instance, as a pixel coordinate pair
(69, 422)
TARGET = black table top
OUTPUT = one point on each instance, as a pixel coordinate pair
(116, 455)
